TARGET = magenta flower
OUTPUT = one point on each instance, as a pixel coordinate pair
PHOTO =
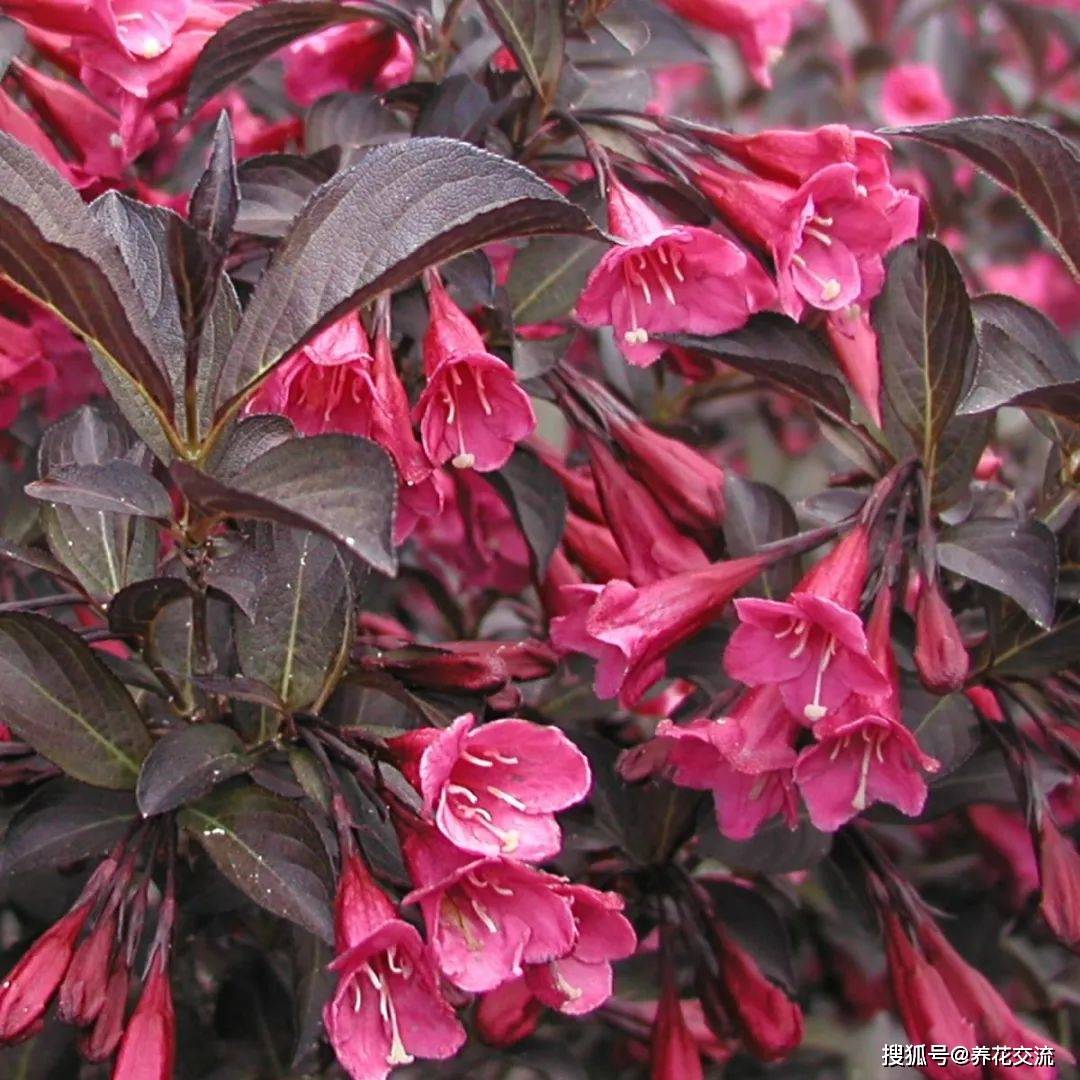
(582, 981)
(941, 657)
(629, 631)
(864, 754)
(914, 94)
(668, 279)
(743, 800)
(861, 758)
(386, 1009)
(493, 790)
(829, 253)
(813, 645)
(472, 412)
(360, 55)
(508, 1014)
(760, 28)
(485, 917)
(326, 385)
(1059, 871)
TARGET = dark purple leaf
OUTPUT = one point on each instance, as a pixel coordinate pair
(1017, 558)
(373, 228)
(1018, 646)
(256, 34)
(547, 276)
(926, 340)
(342, 486)
(774, 849)
(776, 348)
(1039, 166)
(248, 439)
(118, 487)
(352, 122)
(53, 249)
(216, 197)
(186, 765)
(269, 849)
(274, 188)
(62, 822)
(57, 695)
(134, 609)
(757, 514)
(1024, 360)
(533, 32)
(537, 501)
(946, 727)
(298, 637)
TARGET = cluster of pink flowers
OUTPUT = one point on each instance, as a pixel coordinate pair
(496, 923)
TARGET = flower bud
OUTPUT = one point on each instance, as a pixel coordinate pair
(1059, 865)
(26, 992)
(508, 1014)
(101, 1041)
(675, 1053)
(940, 656)
(82, 993)
(148, 1047)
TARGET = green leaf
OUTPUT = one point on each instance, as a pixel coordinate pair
(926, 339)
(187, 764)
(1039, 166)
(533, 32)
(375, 227)
(342, 486)
(58, 696)
(299, 634)
(52, 249)
(269, 849)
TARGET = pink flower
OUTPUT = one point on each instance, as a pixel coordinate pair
(651, 544)
(485, 917)
(494, 790)
(472, 412)
(673, 1048)
(743, 798)
(667, 279)
(914, 94)
(387, 1009)
(581, 981)
(28, 988)
(1042, 281)
(148, 1048)
(855, 346)
(359, 55)
(760, 28)
(864, 754)
(629, 631)
(326, 385)
(813, 645)
(82, 993)
(24, 368)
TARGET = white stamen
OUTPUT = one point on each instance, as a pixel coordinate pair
(506, 797)
(472, 759)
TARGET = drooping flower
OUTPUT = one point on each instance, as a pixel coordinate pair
(325, 386)
(652, 546)
(629, 631)
(704, 753)
(361, 55)
(813, 645)
(386, 1009)
(148, 1048)
(667, 279)
(940, 656)
(82, 993)
(472, 412)
(864, 753)
(760, 28)
(493, 790)
(581, 981)
(914, 94)
(673, 1048)
(508, 1014)
(486, 918)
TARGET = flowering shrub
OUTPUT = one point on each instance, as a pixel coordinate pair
(539, 537)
